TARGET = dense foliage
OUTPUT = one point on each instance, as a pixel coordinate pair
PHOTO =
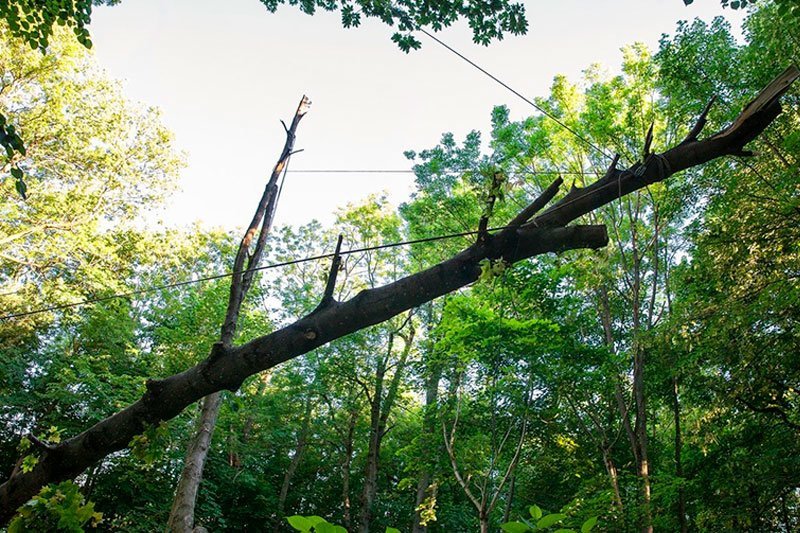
(655, 381)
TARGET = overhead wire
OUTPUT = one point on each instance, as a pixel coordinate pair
(409, 171)
(283, 180)
(546, 113)
(156, 288)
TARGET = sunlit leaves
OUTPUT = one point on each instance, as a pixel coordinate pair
(97, 158)
(59, 507)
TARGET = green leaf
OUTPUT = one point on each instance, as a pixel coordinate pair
(514, 527)
(565, 530)
(324, 527)
(29, 463)
(314, 519)
(392, 530)
(17, 173)
(17, 526)
(536, 512)
(550, 520)
(588, 525)
(300, 523)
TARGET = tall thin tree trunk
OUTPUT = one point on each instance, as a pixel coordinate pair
(642, 437)
(348, 458)
(423, 484)
(613, 476)
(302, 441)
(510, 499)
(639, 397)
(428, 430)
(373, 451)
(181, 518)
(380, 409)
(619, 396)
(484, 521)
(678, 460)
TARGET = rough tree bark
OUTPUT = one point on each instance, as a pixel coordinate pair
(227, 367)
(181, 516)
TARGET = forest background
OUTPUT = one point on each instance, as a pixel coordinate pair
(520, 390)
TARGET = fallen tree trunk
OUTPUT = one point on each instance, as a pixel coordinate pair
(227, 367)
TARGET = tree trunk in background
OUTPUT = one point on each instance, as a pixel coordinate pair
(373, 452)
(428, 430)
(484, 521)
(348, 459)
(678, 461)
(510, 499)
(423, 484)
(608, 339)
(643, 468)
(302, 441)
(613, 475)
(380, 409)
(181, 516)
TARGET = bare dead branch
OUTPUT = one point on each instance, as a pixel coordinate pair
(265, 212)
(648, 141)
(538, 204)
(327, 298)
(612, 167)
(44, 446)
(701, 122)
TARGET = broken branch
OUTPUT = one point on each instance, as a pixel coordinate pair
(327, 298)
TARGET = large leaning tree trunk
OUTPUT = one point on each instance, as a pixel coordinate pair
(525, 236)
(248, 257)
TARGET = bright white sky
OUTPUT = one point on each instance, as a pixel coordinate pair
(225, 72)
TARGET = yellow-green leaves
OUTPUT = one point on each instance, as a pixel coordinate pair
(59, 507)
(29, 462)
(492, 268)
